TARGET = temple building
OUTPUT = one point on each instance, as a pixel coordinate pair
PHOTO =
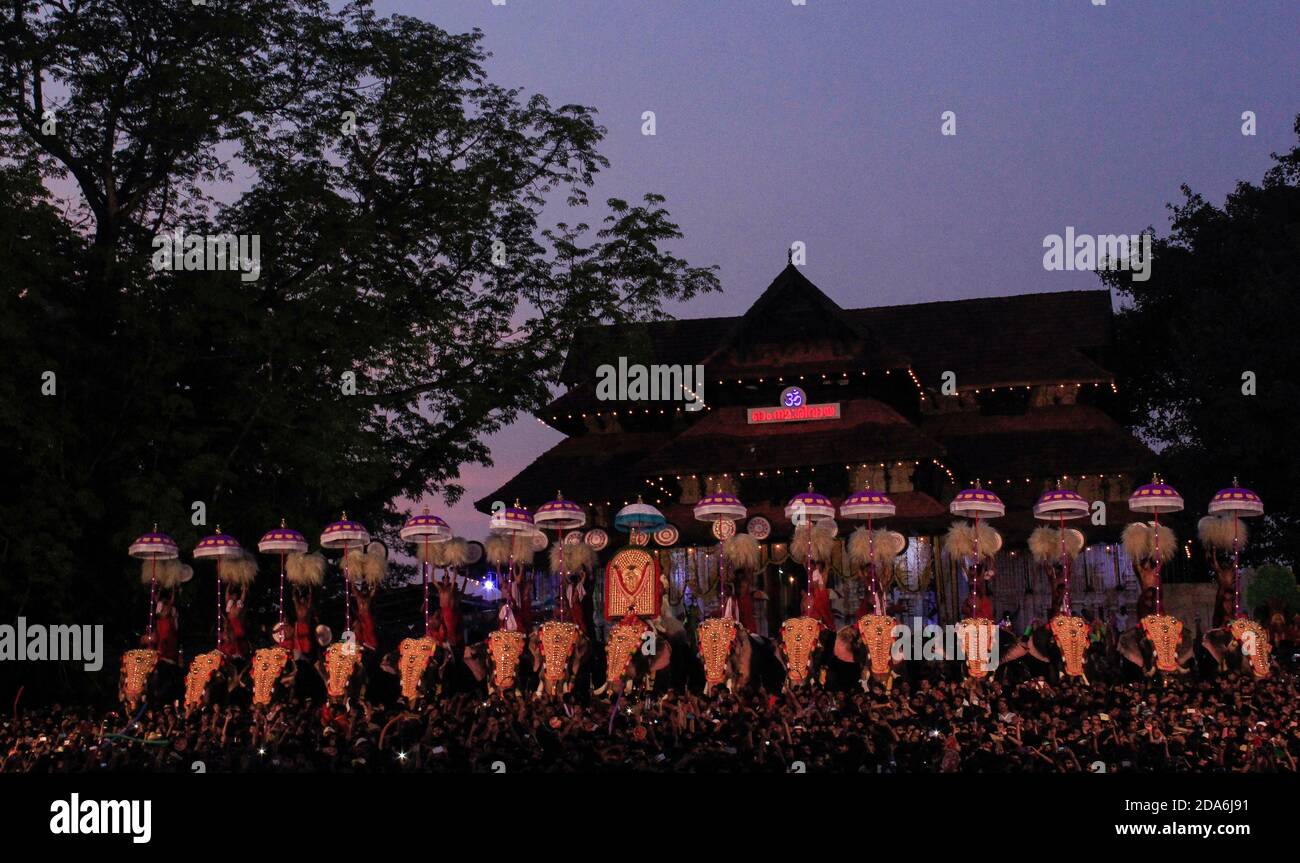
(917, 400)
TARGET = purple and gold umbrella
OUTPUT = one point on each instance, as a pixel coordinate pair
(426, 528)
(282, 541)
(1061, 504)
(219, 546)
(1237, 502)
(345, 535)
(1156, 497)
(803, 509)
(560, 515)
(869, 505)
(721, 506)
(153, 546)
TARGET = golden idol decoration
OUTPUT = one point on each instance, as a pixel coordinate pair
(877, 633)
(340, 661)
(1071, 634)
(1254, 644)
(267, 665)
(558, 638)
(632, 581)
(137, 665)
(1164, 631)
(799, 637)
(413, 659)
(977, 634)
(715, 637)
(505, 647)
(623, 643)
(196, 679)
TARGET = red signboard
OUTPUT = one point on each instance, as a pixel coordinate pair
(801, 413)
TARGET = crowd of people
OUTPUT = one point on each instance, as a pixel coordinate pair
(1229, 724)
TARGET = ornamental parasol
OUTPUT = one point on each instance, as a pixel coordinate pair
(1060, 504)
(803, 509)
(639, 516)
(425, 528)
(1156, 497)
(345, 535)
(869, 504)
(153, 546)
(219, 546)
(560, 515)
(1239, 503)
(717, 507)
(511, 521)
(976, 503)
(282, 541)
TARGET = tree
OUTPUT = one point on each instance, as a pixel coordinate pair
(1274, 588)
(1208, 348)
(397, 196)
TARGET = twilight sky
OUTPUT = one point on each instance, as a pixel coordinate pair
(821, 123)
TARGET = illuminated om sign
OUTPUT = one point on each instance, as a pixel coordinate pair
(792, 397)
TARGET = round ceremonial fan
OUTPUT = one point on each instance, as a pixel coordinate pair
(473, 551)
(724, 529)
(597, 538)
(759, 528)
(666, 536)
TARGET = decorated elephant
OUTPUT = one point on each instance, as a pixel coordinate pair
(1160, 642)
(720, 640)
(1061, 645)
(560, 651)
(503, 663)
(652, 656)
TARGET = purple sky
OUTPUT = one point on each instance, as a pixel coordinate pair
(821, 123)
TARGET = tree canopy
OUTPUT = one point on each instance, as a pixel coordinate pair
(1207, 348)
(400, 200)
